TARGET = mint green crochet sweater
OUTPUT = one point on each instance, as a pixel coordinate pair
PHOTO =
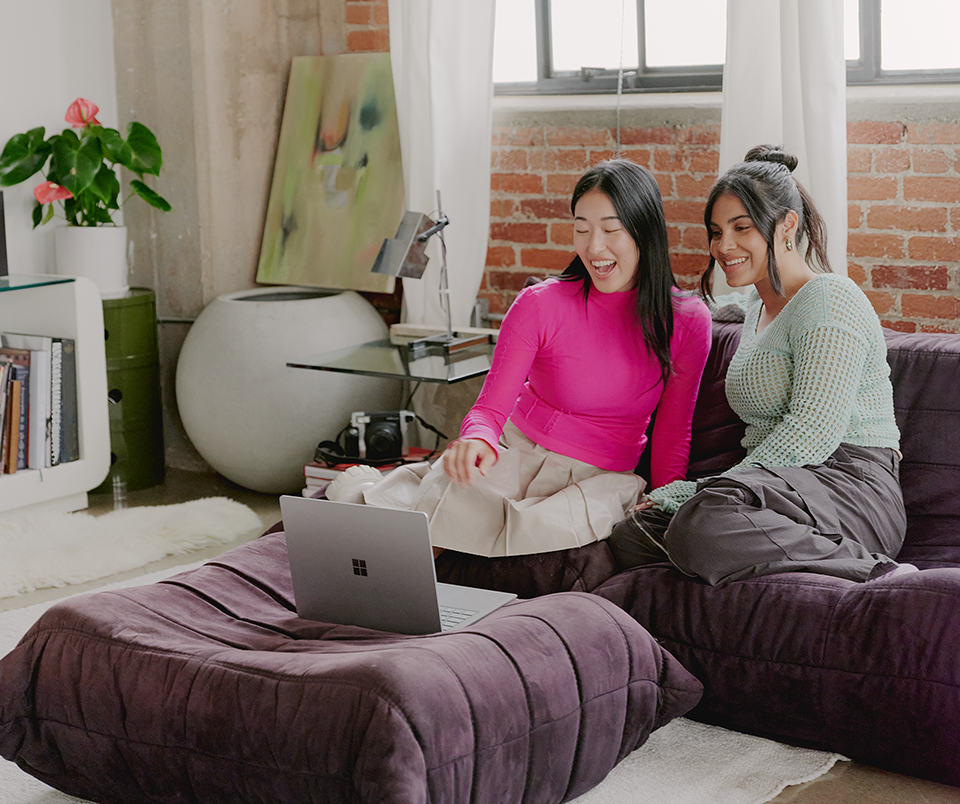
(816, 377)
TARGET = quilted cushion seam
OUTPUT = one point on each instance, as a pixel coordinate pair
(805, 665)
(386, 701)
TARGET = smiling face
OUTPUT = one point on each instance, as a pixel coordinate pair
(736, 244)
(607, 250)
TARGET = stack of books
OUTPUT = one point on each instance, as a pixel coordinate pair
(38, 402)
(317, 474)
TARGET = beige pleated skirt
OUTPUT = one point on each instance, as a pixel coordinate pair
(531, 501)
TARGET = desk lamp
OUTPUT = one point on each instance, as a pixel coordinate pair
(405, 256)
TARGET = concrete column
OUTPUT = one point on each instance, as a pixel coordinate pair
(209, 78)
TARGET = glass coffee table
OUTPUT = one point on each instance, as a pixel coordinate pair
(394, 358)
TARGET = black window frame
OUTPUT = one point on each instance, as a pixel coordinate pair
(701, 78)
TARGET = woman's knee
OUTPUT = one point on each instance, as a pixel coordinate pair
(695, 540)
(638, 539)
(686, 538)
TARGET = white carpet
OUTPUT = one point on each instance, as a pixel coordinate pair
(683, 763)
(53, 549)
(686, 762)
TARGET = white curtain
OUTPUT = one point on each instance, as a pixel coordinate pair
(442, 57)
(784, 83)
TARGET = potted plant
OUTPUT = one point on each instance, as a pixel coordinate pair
(81, 176)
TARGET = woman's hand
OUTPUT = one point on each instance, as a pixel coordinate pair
(465, 457)
(642, 504)
(670, 497)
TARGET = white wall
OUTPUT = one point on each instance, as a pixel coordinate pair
(53, 52)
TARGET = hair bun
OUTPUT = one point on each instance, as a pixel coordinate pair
(772, 153)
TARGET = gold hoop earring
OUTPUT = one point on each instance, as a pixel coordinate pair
(789, 245)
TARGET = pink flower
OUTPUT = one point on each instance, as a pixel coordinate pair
(48, 191)
(82, 113)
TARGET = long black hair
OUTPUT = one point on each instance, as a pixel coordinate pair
(764, 183)
(635, 196)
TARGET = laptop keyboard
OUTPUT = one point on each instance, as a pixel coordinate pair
(451, 617)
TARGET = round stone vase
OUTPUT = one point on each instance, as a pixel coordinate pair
(254, 419)
(98, 253)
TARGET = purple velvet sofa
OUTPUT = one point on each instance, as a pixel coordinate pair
(871, 671)
(868, 670)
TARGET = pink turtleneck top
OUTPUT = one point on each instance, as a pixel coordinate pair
(577, 379)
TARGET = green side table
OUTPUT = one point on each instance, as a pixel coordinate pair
(133, 383)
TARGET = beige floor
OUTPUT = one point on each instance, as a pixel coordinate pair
(846, 783)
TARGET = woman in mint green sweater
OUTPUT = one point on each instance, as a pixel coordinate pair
(818, 490)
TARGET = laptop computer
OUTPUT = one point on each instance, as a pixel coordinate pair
(373, 567)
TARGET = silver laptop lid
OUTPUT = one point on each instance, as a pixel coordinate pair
(361, 565)
(368, 566)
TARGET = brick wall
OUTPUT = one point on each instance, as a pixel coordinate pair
(533, 176)
(904, 222)
(904, 208)
(367, 26)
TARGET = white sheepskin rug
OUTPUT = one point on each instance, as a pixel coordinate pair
(51, 549)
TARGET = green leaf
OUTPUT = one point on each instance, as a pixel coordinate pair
(38, 213)
(146, 151)
(106, 187)
(68, 135)
(48, 215)
(150, 196)
(115, 147)
(97, 215)
(70, 211)
(75, 164)
(23, 155)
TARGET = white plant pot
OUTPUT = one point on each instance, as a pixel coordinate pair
(98, 253)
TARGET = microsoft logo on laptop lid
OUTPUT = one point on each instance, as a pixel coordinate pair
(359, 566)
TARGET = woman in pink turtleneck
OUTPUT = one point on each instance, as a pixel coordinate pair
(545, 457)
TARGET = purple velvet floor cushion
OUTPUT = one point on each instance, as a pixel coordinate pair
(206, 687)
(867, 670)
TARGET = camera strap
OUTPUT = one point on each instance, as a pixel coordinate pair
(333, 457)
(433, 429)
(332, 453)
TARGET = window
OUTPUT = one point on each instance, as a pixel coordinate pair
(678, 45)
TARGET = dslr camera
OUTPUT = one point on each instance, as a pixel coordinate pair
(379, 436)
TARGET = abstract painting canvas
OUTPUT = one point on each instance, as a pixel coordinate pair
(337, 190)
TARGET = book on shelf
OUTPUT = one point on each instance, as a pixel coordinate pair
(56, 377)
(20, 366)
(52, 429)
(69, 417)
(39, 418)
(63, 401)
(4, 413)
(20, 418)
(12, 424)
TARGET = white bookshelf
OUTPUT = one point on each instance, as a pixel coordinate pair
(62, 307)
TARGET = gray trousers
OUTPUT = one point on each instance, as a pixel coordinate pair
(844, 518)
